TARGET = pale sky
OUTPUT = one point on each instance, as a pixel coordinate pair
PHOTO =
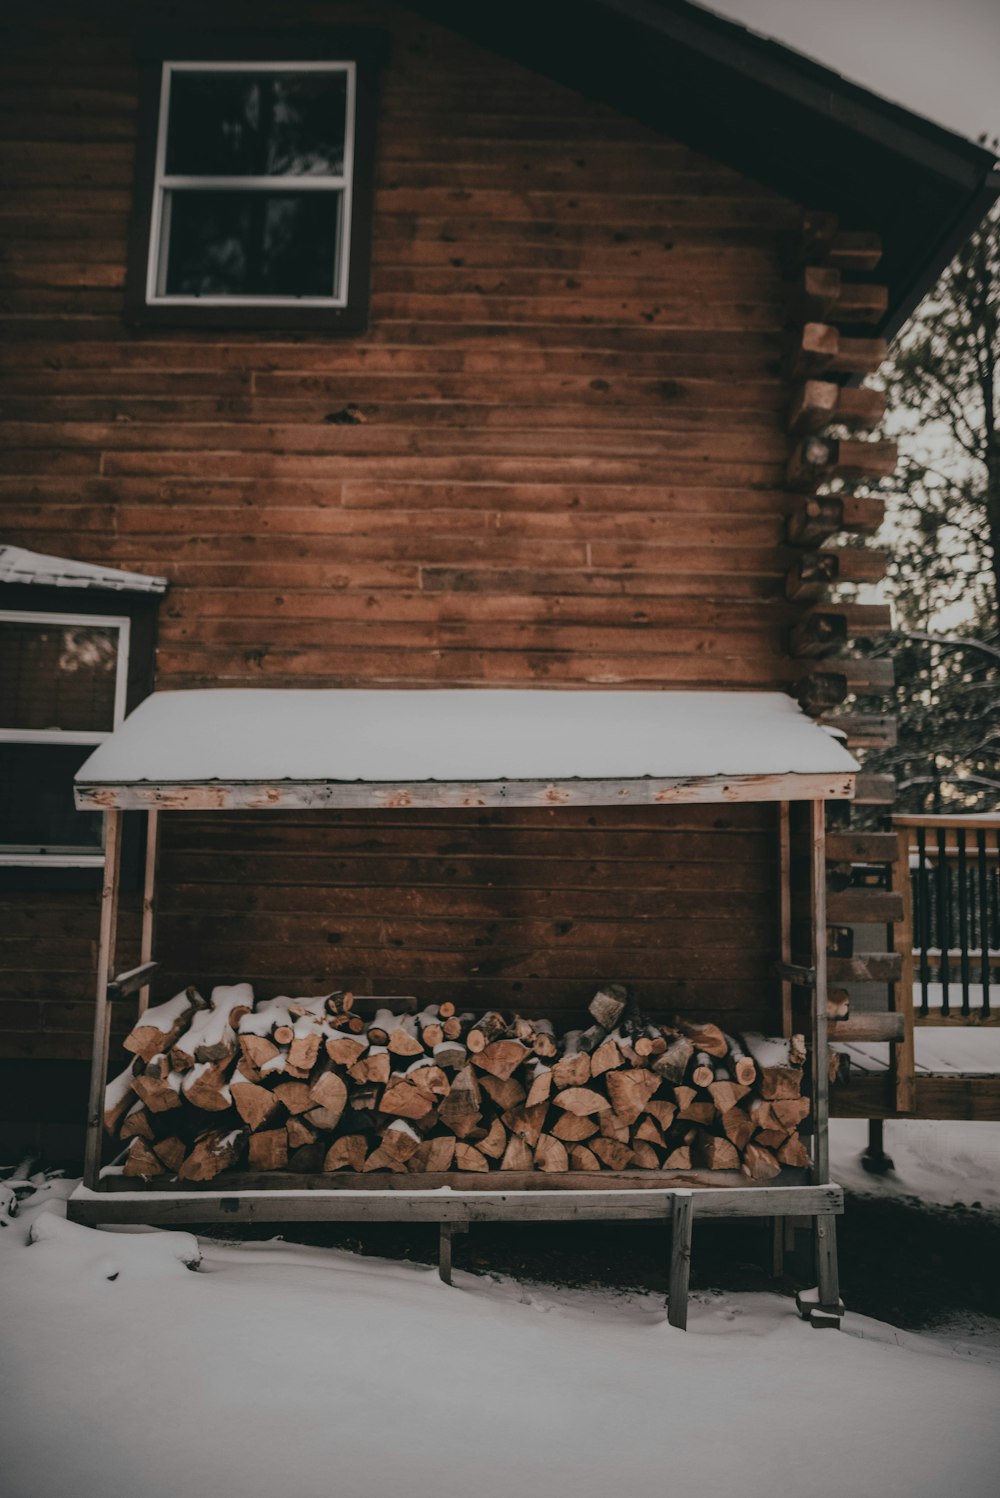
(940, 58)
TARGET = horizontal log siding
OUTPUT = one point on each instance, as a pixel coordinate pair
(555, 458)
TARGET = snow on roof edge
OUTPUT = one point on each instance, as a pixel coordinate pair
(19, 565)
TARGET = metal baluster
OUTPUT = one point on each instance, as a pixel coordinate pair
(923, 921)
(984, 921)
(943, 923)
(963, 920)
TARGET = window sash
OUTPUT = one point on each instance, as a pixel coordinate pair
(279, 182)
(11, 854)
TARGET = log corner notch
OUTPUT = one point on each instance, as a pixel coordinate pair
(831, 304)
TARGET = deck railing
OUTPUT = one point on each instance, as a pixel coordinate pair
(954, 876)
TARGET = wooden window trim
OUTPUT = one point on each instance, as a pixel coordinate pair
(362, 47)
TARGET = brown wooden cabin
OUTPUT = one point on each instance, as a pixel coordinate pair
(610, 275)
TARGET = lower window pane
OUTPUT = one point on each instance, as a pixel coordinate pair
(250, 244)
(36, 800)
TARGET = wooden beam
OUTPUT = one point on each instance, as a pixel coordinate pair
(823, 242)
(865, 731)
(817, 404)
(874, 790)
(149, 898)
(861, 847)
(682, 1218)
(865, 967)
(865, 907)
(820, 1068)
(817, 460)
(821, 348)
(867, 1027)
(820, 691)
(812, 571)
(307, 795)
(818, 634)
(823, 515)
(822, 295)
(873, 1095)
(107, 938)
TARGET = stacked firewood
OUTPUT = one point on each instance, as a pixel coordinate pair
(309, 1086)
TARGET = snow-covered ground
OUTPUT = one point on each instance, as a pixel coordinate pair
(278, 1368)
(940, 1163)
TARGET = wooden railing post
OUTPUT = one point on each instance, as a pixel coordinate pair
(102, 1006)
(901, 993)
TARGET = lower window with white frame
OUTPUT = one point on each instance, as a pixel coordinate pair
(62, 690)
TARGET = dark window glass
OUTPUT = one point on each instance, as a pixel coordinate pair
(36, 799)
(252, 243)
(256, 124)
(57, 676)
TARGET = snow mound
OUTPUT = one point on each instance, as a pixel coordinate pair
(71, 1248)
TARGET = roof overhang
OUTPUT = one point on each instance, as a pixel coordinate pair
(765, 110)
(255, 749)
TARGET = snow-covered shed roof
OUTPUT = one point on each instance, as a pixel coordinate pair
(19, 565)
(258, 748)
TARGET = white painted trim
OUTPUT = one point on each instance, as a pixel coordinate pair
(52, 860)
(165, 184)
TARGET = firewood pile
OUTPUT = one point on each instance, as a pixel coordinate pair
(309, 1086)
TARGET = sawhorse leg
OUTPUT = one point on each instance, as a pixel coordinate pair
(447, 1233)
(682, 1217)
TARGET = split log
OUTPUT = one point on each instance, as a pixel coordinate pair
(573, 1069)
(304, 1049)
(433, 1155)
(630, 1090)
(505, 1094)
(679, 1158)
(344, 1050)
(692, 1108)
(778, 1075)
(159, 1026)
(738, 1127)
(213, 1153)
(675, 1060)
(490, 1027)
(158, 1086)
(401, 1140)
(526, 1123)
(713, 1153)
(580, 1100)
(171, 1151)
(518, 1155)
(295, 1095)
(300, 1131)
(382, 1159)
(141, 1160)
(705, 1038)
(374, 1066)
(794, 1152)
(494, 1142)
(403, 1099)
(544, 1043)
(550, 1155)
(582, 1158)
(467, 1157)
(724, 1093)
(644, 1155)
(404, 1039)
(608, 1005)
(501, 1058)
(607, 1057)
(648, 1130)
(348, 1152)
(206, 1086)
(613, 1127)
(328, 1092)
(268, 1150)
(136, 1124)
(611, 1152)
(258, 1050)
(460, 1110)
(210, 1036)
(759, 1164)
(571, 1128)
(256, 1105)
(451, 1055)
(541, 1085)
(120, 1095)
(429, 1078)
(663, 1110)
(702, 1072)
(741, 1065)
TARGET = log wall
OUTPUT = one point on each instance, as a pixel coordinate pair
(557, 457)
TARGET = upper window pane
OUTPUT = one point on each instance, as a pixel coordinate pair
(57, 676)
(256, 124)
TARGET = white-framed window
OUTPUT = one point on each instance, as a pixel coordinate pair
(253, 185)
(63, 680)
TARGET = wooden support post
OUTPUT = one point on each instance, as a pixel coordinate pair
(820, 1068)
(448, 1231)
(901, 993)
(148, 898)
(875, 1160)
(827, 1275)
(680, 1258)
(785, 909)
(102, 1007)
(778, 1229)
